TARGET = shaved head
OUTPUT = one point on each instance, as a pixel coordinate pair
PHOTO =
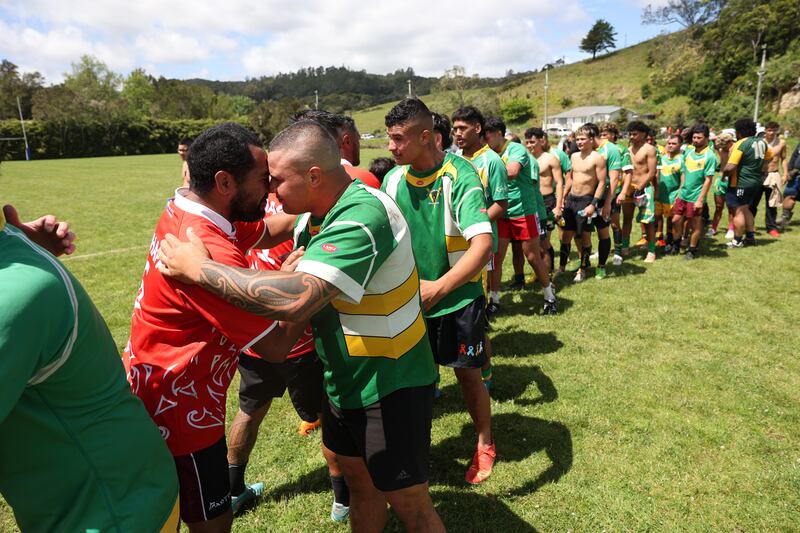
(307, 144)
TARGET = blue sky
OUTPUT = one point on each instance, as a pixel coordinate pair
(249, 39)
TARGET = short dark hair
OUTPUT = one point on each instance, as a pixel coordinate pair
(469, 114)
(772, 125)
(591, 126)
(495, 124)
(380, 166)
(534, 132)
(442, 125)
(334, 123)
(701, 128)
(638, 125)
(222, 147)
(675, 136)
(745, 127)
(185, 141)
(406, 110)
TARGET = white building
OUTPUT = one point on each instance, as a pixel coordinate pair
(578, 116)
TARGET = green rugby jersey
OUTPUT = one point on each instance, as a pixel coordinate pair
(78, 450)
(538, 201)
(669, 177)
(695, 166)
(748, 155)
(494, 179)
(563, 159)
(371, 338)
(520, 189)
(445, 208)
(613, 159)
(625, 157)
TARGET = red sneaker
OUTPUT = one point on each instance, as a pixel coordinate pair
(661, 243)
(774, 233)
(482, 463)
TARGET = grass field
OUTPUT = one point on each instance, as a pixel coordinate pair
(663, 398)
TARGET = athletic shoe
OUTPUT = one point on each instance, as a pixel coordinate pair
(624, 252)
(550, 307)
(774, 233)
(685, 242)
(641, 242)
(437, 392)
(305, 428)
(617, 260)
(482, 463)
(661, 243)
(689, 255)
(492, 309)
(668, 249)
(711, 232)
(339, 512)
(735, 244)
(600, 273)
(651, 258)
(751, 241)
(579, 276)
(595, 256)
(514, 286)
(251, 493)
(730, 234)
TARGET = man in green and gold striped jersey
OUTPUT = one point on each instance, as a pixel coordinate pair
(358, 284)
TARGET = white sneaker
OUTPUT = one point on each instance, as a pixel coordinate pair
(580, 276)
(729, 234)
(594, 257)
(651, 258)
(616, 260)
(711, 232)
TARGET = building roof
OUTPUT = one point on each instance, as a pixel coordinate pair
(586, 111)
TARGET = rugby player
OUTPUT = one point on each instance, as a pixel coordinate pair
(669, 181)
(641, 187)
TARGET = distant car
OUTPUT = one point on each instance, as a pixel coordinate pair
(558, 131)
(367, 136)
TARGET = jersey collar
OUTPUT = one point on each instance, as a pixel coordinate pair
(482, 150)
(200, 210)
(424, 179)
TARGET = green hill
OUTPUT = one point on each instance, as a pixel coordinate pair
(613, 79)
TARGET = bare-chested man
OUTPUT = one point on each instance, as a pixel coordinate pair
(584, 194)
(643, 158)
(551, 184)
(777, 174)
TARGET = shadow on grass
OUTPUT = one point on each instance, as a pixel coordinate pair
(468, 511)
(515, 341)
(531, 304)
(518, 437)
(317, 480)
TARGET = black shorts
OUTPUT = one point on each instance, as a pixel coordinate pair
(262, 381)
(457, 338)
(741, 196)
(572, 220)
(393, 436)
(549, 205)
(205, 490)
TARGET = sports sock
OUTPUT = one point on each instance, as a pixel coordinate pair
(669, 238)
(604, 248)
(617, 241)
(549, 295)
(651, 247)
(626, 243)
(692, 250)
(494, 297)
(341, 494)
(585, 253)
(486, 375)
(519, 278)
(552, 253)
(714, 225)
(750, 235)
(236, 478)
(563, 255)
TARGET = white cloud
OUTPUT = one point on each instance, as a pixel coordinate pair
(241, 37)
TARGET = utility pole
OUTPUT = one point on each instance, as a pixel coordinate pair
(761, 72)
(546, 86)
(316, 99)
(409, 88)
(24, 135)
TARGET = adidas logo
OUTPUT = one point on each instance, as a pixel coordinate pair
(402, 475)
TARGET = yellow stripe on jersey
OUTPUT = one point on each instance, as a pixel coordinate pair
(447, 168)
(393, 348)
(455, 244)
(381, 304)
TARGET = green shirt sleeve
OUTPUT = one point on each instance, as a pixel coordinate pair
(469, 204)
(711, 164)
(498, 179)
(613, 158)
(349, 249)
(517, 154)
(534, 168)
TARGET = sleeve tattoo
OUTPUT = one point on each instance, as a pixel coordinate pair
(292, 296)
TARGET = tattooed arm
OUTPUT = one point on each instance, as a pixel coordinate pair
(293, 296)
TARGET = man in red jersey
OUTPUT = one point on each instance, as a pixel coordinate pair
(184, 342)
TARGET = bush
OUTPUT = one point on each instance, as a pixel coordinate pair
(515, 111)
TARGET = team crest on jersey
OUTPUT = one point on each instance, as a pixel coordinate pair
(433, 195)
(329, 247)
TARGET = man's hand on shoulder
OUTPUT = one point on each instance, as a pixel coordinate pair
(182, 260)
(47, 231)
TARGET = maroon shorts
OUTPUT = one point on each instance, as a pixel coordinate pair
(685, 209)
(518, 229)
(205, 491)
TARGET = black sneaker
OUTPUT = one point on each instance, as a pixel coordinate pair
(492, 309)
(689, 255)
(550, 307)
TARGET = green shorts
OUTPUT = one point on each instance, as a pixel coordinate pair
(647, 206)
(720, 186)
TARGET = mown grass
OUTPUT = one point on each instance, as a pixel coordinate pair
(663, 398)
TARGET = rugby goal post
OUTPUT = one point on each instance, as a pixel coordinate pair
(24, 134)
